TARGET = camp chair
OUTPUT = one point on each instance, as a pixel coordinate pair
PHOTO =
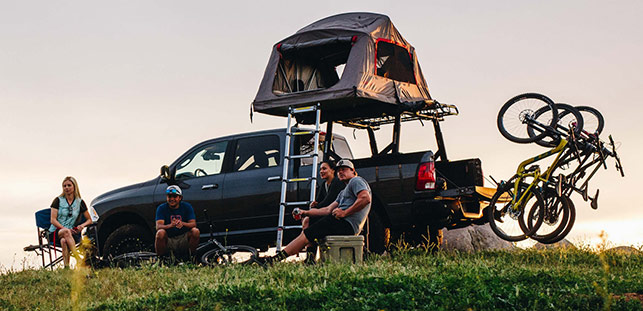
(48, 249)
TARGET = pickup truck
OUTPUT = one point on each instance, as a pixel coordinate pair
(237, 180)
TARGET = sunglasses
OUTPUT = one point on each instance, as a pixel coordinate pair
(172, 195)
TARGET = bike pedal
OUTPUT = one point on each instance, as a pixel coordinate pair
(594, 201)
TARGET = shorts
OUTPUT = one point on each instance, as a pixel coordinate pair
(328, 225)
(57, 236)
(179, 243)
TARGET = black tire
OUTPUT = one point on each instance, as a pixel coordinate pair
(511, 225)
(233, 254)
(568, 227)
(133, 259)
(593, 120)
(128, 239)
(515, 115)
(377, 235)
(557, 213)
(568, 117)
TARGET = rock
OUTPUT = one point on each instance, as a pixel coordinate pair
(564, 243)
(473, 238)
(625, 250)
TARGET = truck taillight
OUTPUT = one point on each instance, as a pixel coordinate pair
(426, 176)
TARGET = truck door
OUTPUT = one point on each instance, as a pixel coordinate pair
(199, 174)
(250, 199)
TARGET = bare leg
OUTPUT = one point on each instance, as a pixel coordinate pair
(193, 239)
(160, 243)
(63, 244)
(68, 244)
(296, 245)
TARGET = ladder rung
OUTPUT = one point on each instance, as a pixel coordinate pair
(299, 179)
(302, 133)
(301, 156)
(304, 109)
(287, 204)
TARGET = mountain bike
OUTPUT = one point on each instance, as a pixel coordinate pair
(213, 253)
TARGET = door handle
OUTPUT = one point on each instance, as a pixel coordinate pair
(274, 178)
(209, 187)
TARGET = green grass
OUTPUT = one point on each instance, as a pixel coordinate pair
(407, 280)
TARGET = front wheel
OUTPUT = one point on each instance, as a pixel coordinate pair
(556, 218)
(507, 219)
(128, 239)
(233, 254)
(517, 117)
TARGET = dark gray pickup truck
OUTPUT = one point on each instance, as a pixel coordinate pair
(237, 180)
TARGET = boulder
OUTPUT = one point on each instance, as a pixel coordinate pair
(564, 243)
(625, 250)
(473, 238)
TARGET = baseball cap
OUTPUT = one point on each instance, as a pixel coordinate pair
(173, 190)
(345, 162)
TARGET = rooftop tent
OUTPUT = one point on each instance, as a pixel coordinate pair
(357, 65)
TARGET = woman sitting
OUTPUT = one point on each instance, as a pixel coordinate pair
(65, 210)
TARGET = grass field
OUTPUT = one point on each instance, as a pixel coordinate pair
(406, 280)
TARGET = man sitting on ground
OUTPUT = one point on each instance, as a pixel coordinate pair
(175, 225)
(345, 216)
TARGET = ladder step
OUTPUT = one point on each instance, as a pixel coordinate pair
(301, 133)
(299, 203)
(304, 109)
(301, 156)
(299, 179)
(292, 227)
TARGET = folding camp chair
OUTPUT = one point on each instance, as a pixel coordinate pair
(48, 249)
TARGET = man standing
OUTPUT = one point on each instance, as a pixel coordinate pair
(175, 224)
(345, 216)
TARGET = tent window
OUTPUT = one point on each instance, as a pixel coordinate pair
(311, 66)
(394, 62)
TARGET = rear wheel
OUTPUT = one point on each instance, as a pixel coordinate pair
(376, 234)
(133, 259)
(128, 238)
(507, 219)
(568, 226)
(517, 116)
(556, 217)
(233, 254)
(569, 118)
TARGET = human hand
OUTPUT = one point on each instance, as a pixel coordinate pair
(179, 224)
(339, 213)
(313, 204)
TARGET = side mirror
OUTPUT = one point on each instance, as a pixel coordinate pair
(165, 172)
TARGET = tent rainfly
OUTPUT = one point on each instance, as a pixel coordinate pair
(356, 65)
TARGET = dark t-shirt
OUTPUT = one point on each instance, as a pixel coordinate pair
(184, 212)
(326, 197)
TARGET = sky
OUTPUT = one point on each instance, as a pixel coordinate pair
(108, 92)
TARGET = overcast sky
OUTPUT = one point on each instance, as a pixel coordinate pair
(108, 92)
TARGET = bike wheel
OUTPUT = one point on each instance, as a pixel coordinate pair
(233, 254)
(508, 220)
(593, 120)
(569, 118)
(555, 218)
(517, 116)
(133, 259)
(568, 226)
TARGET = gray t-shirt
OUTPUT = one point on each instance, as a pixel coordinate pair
(347, 198)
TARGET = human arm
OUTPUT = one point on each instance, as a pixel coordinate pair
(363, 199)
(54, 218)
(160, 224)
(320, 211)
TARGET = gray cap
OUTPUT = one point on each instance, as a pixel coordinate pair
(346, 163)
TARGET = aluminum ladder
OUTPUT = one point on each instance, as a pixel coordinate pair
(288, 156)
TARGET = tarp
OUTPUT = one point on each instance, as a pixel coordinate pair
(356, 65)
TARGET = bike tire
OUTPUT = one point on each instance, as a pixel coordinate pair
(568, 117)
(555, 219)
(593, 120)
(568, 227)
(515, 115)
(511, 226)
(233, 254)
(133, 259)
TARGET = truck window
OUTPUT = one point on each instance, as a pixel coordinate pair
(256, 152)
(203, 161)
(340, 146)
